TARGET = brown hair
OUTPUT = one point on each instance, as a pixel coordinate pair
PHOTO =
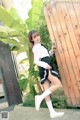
(30, 36)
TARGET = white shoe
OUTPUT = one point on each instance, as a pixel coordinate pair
(56, 114)
(37, 102)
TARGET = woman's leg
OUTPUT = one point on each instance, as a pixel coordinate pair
(54, 81)
(55, 85)
(48, 90)
(46, 85)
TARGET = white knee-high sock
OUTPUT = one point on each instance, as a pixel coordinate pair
(45, 94)
(39, 98)
(50, 107)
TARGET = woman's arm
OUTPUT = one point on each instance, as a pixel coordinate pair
(41, 63)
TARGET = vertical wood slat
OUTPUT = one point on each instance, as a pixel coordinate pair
(76, 50)
(59, 37)
(58, 58)
(72, 36)
(65, 56)
(63, 19)
(77, 12)
(68, 24)
(74, 20)
(71, 44)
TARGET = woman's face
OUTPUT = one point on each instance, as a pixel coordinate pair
(36, 37)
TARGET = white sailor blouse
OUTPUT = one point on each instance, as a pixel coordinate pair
(40, 52)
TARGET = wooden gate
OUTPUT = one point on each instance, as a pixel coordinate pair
(63, 22)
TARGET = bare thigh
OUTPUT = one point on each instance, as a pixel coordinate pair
(54, 80)
(46, 85)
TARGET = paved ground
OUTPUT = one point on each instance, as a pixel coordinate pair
(29, 113)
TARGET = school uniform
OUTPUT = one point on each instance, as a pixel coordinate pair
(42, 59)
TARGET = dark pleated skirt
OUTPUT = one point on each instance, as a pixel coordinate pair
(45, 72)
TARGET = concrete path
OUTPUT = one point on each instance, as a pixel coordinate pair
(29, 113)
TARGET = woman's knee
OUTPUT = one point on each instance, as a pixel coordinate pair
(54, 80)
(60, 85)
(46, 85)
(59, 82)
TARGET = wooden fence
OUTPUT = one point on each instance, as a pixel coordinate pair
(63, 22)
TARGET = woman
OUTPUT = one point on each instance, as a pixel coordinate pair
(47, 73)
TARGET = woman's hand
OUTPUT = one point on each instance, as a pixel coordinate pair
(48, 67)
(53, 46)
(52, 51)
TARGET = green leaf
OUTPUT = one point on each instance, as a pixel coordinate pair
(13, 37)
(34, 13)
(14, 13)
(8, 41)
(8, 32)
(32, 89)
(10, 21)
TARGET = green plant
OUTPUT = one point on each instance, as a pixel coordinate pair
(23, 82)
(15, 34)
